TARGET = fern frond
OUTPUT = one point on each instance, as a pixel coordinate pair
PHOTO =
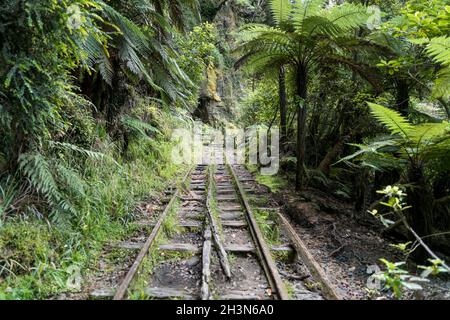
(281, 10)
(393, 120)
(426, 132)
(129, 30)
(37, 169)
(84, 152)
(348, 16)
(367, 148)
(305, 9)
(139, 126)
(70, 179)
(331, 22)
(439, 49)
(441, 88)
(106, 69)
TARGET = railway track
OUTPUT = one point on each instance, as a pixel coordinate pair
(226, 246)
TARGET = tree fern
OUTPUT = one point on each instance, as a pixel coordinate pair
(411, 144)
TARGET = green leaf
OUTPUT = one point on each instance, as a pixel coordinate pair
(281, 10)
(393, 120)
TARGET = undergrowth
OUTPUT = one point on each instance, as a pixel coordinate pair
(274, 182)
(41, 250)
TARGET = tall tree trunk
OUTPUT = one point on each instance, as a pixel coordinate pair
(402, 99)
(302, 93)
(283, 107)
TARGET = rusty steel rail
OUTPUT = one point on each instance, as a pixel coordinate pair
(124, 285)
(263, 251)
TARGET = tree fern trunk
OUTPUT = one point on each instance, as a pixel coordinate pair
(420, 198)
(402, 99)
(283, 107)
(302, 93)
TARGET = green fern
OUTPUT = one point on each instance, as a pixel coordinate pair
(8, 192)
(281, 10)
(439, 49)
(411, 144)
(84, 152)
(139, 126)
(306, 9)
(37, 169)
(393, 120)
(70, 180)
(348, 16)
(442, 84)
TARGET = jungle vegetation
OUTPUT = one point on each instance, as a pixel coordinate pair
(91, 90)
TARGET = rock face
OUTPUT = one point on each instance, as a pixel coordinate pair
(218, 95)
(210, 99)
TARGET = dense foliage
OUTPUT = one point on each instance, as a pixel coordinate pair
(89, 94)
(90, 91)
(348, 66)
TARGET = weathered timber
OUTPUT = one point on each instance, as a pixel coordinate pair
(234, 223)
(231, 215)
(240, 248)
(168, 293)
(179, 247)
(215, 231)
(239, 295)
(229, 207)
(206, 260)
(307, 258)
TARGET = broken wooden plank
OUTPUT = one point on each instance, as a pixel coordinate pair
(234, 223)
(215, 230)
(206, 261)
(102, 294)
(168, 293)
(179, 247)
(240, 248)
